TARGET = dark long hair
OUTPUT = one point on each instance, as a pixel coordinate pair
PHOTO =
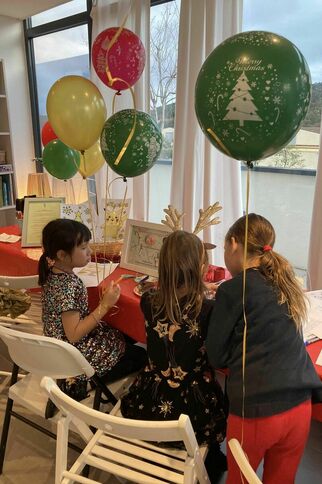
(181, 269)
(275, 268)
(60, 234)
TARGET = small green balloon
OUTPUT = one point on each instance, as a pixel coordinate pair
(143, 149)
(251, 94)
(60, 161)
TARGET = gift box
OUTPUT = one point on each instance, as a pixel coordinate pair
(215, 274)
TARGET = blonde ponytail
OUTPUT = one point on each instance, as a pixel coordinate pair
(276, 269)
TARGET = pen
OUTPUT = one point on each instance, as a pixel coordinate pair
(125, 276)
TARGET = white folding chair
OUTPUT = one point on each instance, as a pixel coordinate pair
(121, 446)
(43, 356)
(242, 461)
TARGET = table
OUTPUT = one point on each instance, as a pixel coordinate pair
(15, 261)
(314, 350)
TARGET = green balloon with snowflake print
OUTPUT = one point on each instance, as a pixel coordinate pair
(251, 95)
(143, 149)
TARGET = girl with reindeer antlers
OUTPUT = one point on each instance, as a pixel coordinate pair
(178, 378)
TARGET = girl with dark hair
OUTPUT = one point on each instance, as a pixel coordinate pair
(271, 377)
(65, 305)
(178, 378)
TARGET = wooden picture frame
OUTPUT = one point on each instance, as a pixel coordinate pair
(142, 244)
(37, 213)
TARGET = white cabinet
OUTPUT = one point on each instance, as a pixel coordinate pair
(7, 170)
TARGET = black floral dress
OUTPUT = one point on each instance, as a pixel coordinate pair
(103, 346)
(178, 378)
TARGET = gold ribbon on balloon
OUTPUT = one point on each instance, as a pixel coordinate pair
(112, 80)
(221, 144)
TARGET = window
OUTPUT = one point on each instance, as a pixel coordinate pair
(289, 176)
(57, 44)
(57, 55)
(163, 73)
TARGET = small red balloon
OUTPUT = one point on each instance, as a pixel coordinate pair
(47, 133)
(125, 59)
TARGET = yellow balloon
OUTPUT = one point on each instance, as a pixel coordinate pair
(76, 111)
(91, 161)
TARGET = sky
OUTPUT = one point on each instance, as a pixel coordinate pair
(300, 21)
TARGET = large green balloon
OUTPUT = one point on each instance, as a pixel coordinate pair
(143, 149)
(252, 93)
(59, 160)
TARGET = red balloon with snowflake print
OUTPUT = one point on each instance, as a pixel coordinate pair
(125, 59)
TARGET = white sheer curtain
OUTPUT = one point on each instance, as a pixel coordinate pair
(110, 13)
(315, 248)
(202, 175)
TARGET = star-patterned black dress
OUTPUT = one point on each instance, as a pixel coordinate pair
(178, 378)
(103, 346)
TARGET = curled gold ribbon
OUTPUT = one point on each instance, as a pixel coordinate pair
(112, 80)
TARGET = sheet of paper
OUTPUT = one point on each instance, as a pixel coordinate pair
(10, 239)
(314, 323)
(319, 359)
(93, 273)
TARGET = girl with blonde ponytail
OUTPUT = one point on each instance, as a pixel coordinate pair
(270, 402)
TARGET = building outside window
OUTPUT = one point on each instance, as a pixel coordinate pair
(282, 186)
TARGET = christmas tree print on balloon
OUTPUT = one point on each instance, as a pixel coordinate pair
(241, 106)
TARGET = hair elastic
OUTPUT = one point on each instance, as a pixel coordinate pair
(267, 248)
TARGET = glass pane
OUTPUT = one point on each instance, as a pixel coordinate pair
(289, 176)
(57, 55)
(65, 10)
(163, 74)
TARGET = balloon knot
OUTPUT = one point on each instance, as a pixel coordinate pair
(118, 93)
(82, 152)
(124, 179)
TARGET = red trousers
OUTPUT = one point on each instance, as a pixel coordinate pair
(279, 440)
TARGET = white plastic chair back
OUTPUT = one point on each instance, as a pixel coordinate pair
(242, 461)
(19, 282)
(128, 453)
(42, 355)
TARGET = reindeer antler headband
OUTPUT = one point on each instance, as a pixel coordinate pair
(173, 218)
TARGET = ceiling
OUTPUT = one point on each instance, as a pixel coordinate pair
(22, 9)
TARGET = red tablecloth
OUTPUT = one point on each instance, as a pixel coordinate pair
(15, 261)
(127, 317)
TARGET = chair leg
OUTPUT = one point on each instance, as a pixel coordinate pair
(101, 388)
(7, 418)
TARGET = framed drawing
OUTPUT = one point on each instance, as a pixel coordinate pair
(37, 213)
(142, 244)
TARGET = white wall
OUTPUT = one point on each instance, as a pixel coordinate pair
(12, 51)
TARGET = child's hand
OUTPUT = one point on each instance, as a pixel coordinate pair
(211, 289)
(111, 295)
